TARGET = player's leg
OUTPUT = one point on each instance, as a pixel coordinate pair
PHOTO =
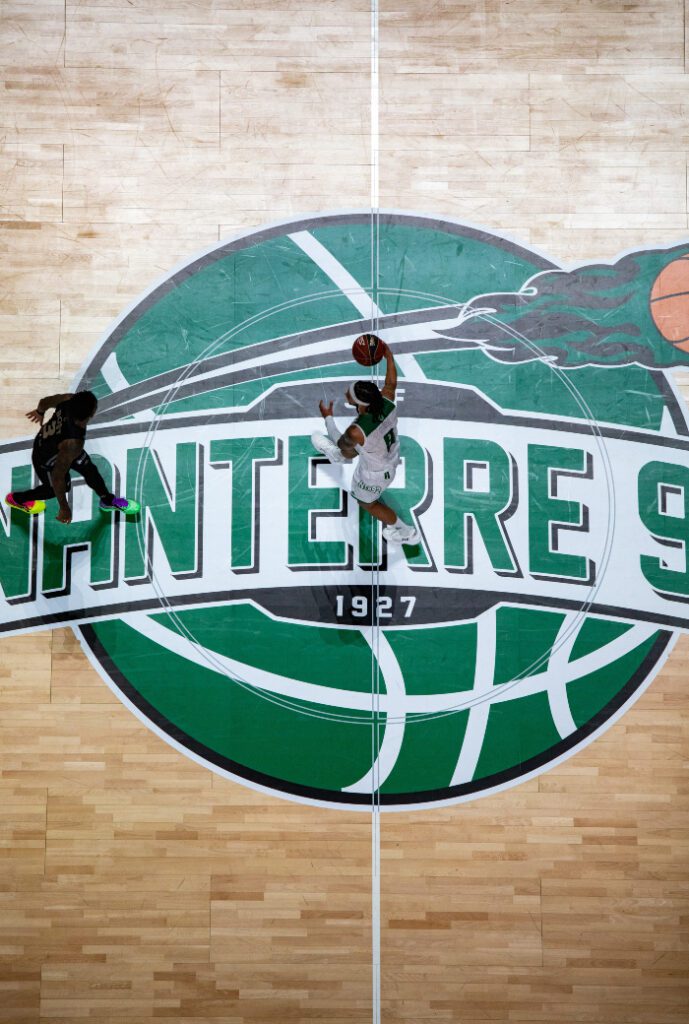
(325, 446)
(395, 530)
(366, 490)
(379, 510)
(86, 468)
(109, 502)
(33, 500)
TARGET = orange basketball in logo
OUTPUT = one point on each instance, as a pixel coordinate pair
(670, 302)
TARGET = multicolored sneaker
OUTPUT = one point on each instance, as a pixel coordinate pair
(125, 505)
(31, 507)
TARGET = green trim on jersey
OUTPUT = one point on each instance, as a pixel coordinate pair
(368, 422)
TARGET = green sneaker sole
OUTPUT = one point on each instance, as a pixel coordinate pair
(132, 508)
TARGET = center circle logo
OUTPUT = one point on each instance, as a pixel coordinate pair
(262, 624)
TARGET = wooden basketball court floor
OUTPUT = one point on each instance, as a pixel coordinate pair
(136, 885)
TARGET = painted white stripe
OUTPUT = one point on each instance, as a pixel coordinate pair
(116, 381)
(562, 671)
(557, 669)
(402, 809)
(409, 366)
(259, 678)
(393, 736)
(338, 274)
(205, 381)
(481, 696)
(112, 374)
(667, 424)
(483, 685)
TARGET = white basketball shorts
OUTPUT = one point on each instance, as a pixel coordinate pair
(368, 486)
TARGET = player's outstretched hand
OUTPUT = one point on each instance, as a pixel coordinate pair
(35, 416)
(326, 410)
(64, 515)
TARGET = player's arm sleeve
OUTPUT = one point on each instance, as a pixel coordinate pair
(349, 440)
(390, 385)
(332, 428)
(51, 402)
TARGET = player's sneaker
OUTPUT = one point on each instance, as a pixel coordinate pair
(32, 507)
(125, 505)
(325, 446)
(400, 533)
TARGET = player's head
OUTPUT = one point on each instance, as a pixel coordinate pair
(365, 395)
(83, 406)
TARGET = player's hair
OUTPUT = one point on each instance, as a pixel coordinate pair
(368, 392)
(83, 405)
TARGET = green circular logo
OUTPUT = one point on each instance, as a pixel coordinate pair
(254, 615)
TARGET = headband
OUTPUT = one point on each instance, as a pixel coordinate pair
(352, 391)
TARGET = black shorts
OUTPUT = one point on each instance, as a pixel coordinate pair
(44, 470)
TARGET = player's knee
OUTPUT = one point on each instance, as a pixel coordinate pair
(366, 505)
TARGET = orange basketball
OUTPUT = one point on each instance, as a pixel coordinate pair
(368, 349)
(670, 302)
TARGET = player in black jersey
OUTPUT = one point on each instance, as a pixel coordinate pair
(59, 448)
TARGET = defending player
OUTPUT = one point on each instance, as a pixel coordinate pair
(372, 438)
(59, 448)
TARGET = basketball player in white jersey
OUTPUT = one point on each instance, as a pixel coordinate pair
(372, 440)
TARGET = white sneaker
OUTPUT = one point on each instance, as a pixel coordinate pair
(401, 534)
(325, 446)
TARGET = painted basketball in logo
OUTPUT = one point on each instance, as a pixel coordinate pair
(253, 614)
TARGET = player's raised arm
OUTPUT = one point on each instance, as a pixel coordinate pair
(348, 441)
(49, 402)
(345, 442)
(390, 386)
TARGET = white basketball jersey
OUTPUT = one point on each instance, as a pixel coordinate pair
(381, 448)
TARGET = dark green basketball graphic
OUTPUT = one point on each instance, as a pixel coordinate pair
(260, 622)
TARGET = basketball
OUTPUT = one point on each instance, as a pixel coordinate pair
(368, 349)
(670, 303)
(257, 687)
(270, 683)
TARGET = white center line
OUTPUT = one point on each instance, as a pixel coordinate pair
(375, 693)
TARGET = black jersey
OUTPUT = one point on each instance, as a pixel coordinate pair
(60, 427)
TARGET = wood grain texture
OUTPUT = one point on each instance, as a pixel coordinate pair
(134, 885)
